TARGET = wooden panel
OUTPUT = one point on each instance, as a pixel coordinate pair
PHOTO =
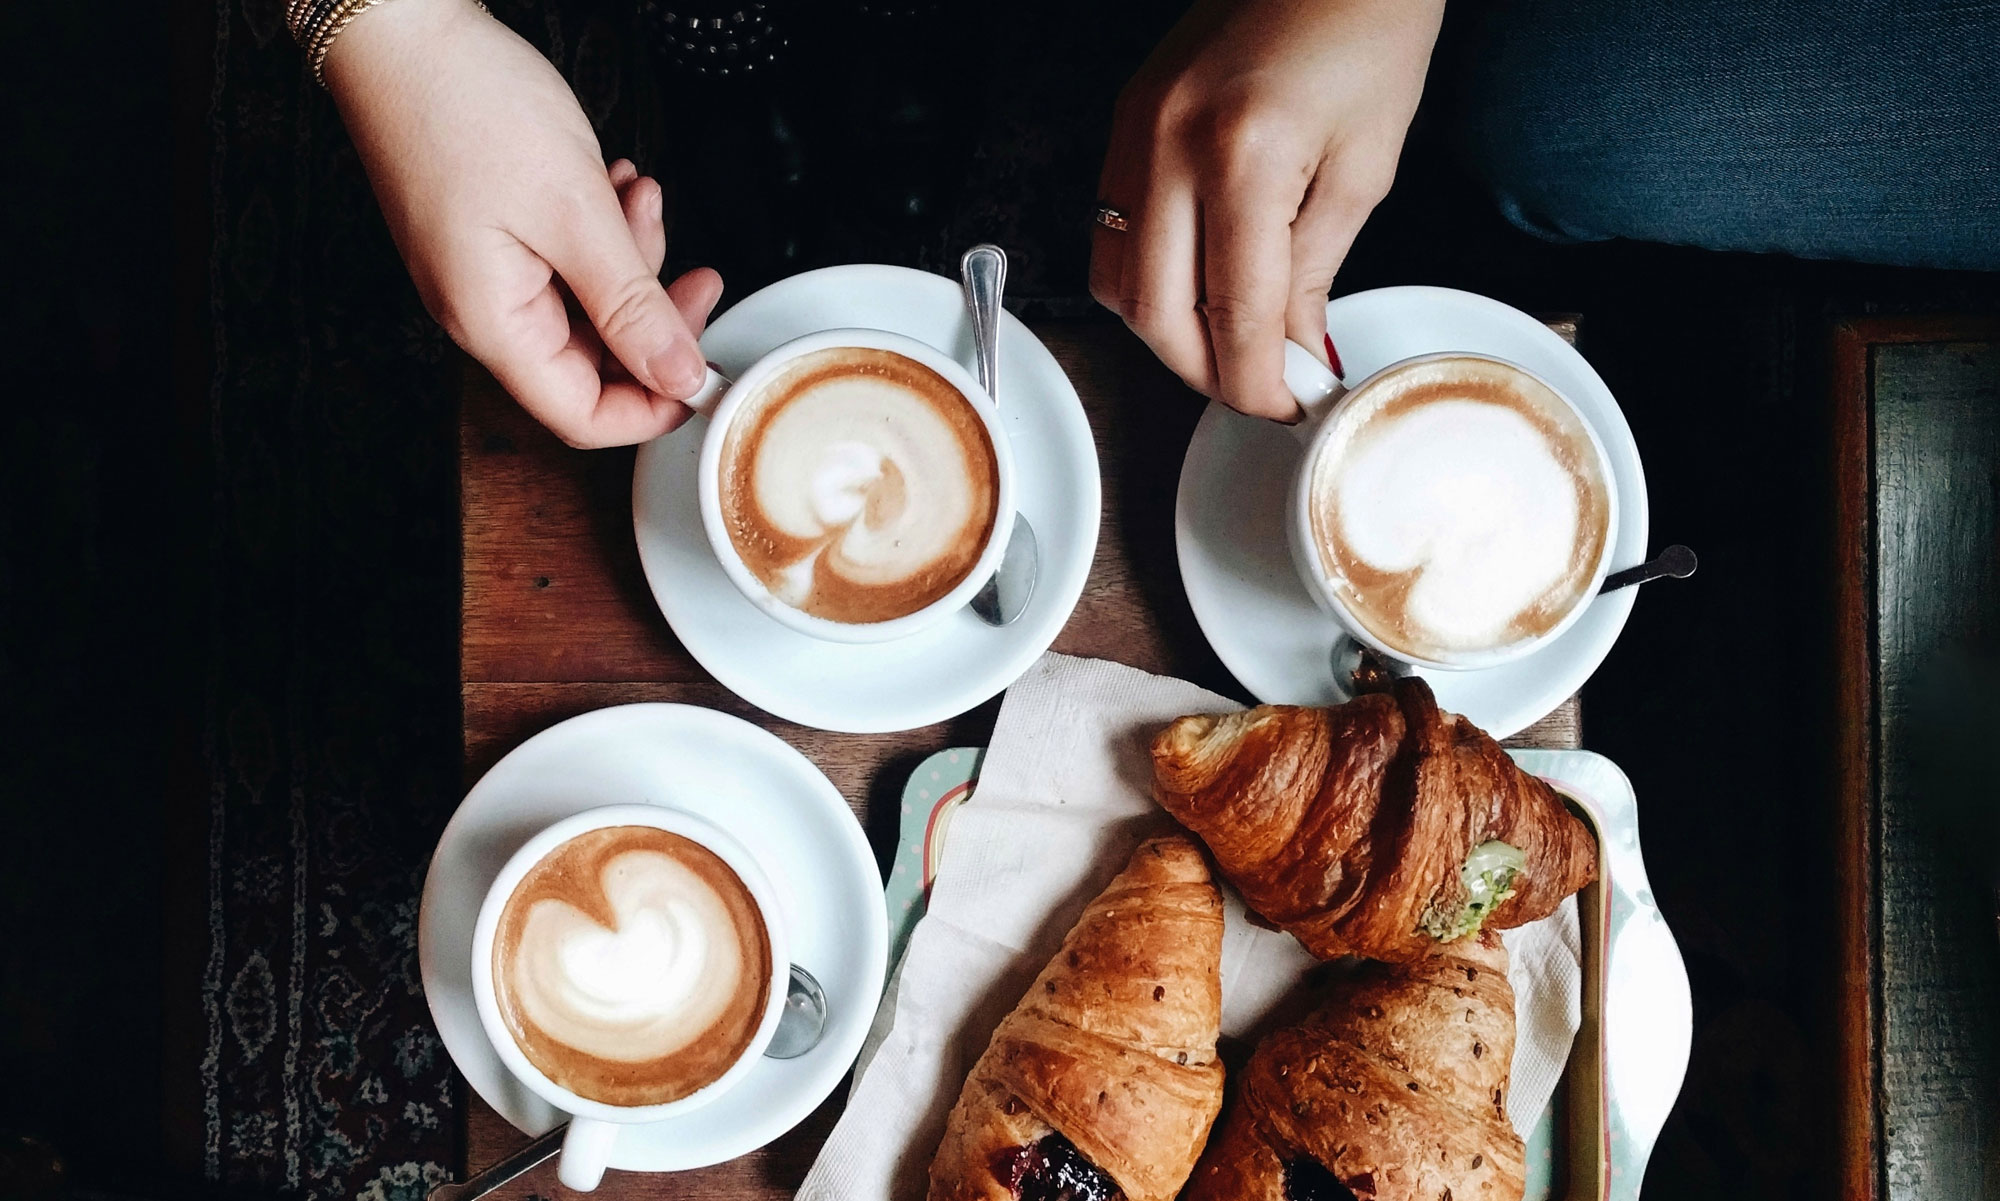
(558, 621)
(1919, 453)
(1937, 456)
(1561, 730)
(552, 588)
(1854, 821)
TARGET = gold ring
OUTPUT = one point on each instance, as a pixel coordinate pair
(1112, 218)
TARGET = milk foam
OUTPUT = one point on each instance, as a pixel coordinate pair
(644, 988)
(1458, 505)
(871, 466)
(859, 485)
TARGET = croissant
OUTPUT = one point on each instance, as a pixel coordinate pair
(1104, 1080)
(1383, 827)
(1394, 1088)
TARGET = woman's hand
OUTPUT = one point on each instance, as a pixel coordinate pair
(535, 257)
(1246, 153)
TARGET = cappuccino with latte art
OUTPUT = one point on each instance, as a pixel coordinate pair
(1459, 509)
(858, 485)
(632, 966)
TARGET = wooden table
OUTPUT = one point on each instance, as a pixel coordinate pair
(557, 620)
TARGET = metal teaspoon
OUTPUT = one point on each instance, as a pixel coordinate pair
(983, 272)
(1676, 561)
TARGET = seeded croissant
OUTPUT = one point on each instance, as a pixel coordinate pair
(1393, 1089)
(1103, 1082)
(1384, 827)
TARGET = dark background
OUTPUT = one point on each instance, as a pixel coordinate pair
(94, 536)
(1717, 701)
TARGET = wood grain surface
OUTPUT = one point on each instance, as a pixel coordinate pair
(1854, 824)
(557, 621)
(1917, 459)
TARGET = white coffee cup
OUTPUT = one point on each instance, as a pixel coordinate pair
(1322, 396)
(720, 399)
(594, 1125)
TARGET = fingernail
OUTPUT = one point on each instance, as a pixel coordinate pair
(656, 200)
(678, 370)
(1333, 358)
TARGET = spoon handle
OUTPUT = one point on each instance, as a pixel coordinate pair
(500, 1173)
(984, 272)
(1676, 561)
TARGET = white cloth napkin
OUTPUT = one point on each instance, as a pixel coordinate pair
(1064, 795)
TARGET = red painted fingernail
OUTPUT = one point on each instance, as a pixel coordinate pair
(1333, 357)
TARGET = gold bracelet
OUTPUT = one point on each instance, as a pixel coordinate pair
(320, 21)
(302, 17)
(338, 18)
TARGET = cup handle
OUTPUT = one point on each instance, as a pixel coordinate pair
(586, 1151)
(715, 384)
(1311, 384)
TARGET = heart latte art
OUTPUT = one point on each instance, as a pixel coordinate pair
(859, 485)
(632, 966)
(1459, 507)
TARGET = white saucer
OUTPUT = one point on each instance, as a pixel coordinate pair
(939, 672)
(752, 785)
(1235, 485)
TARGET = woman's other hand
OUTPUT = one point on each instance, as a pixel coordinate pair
(537, 259)
(1246, 153)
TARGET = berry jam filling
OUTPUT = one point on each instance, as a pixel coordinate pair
(1307, 1179)
(1052, 1169)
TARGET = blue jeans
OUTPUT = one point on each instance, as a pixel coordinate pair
(1864, 130)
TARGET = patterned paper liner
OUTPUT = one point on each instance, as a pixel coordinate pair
(1593, 1151)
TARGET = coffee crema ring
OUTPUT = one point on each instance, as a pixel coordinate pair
(859, 485)
(632, 966)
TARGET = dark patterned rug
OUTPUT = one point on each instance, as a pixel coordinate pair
(331, 731)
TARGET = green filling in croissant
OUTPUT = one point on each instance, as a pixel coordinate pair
(1489, 875)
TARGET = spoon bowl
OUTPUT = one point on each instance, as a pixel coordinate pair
(804, 1018)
